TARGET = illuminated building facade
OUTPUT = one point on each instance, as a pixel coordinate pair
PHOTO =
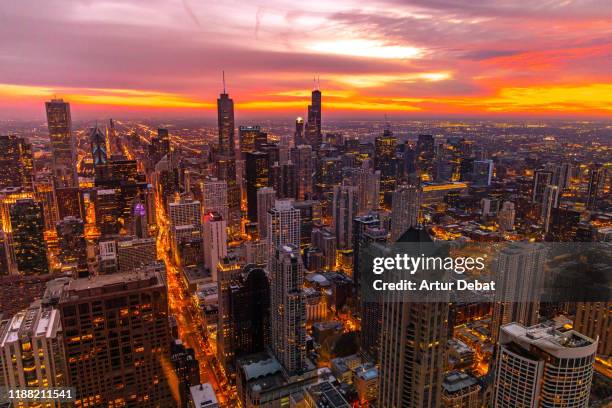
(257, 176)
(16, 164)
(27, 232)
(63, 143)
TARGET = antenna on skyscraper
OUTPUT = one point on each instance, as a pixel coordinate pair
(223, 72)
(318, 83)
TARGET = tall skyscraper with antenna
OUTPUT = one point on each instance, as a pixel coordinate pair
(313, 126)
(227, 157)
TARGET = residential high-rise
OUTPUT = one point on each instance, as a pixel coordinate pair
(367, 182)
(540, 366)
(257, 176)
(31, 350)
(519, 268)
(185, 211)
(63, 143)
(120, 321)
(72, 245)
(283, 178)
(283, 225)
(214, 193)
(310, 215)
(594, 319)
(345, 207)
(266, 197)
(28, 242)
(413, 339)
(215, 241)
(385, 162)
(16, 163)
(287, 308)
(405, 209)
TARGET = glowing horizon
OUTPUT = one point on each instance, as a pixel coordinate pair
(413, 58)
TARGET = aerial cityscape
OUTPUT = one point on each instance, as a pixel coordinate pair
(241, 245)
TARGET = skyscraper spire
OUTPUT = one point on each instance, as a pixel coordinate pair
(223, 73)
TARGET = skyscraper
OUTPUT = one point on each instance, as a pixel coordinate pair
(283, 225)
(251, 137)
(120, 321)
(506, 216)
(28, 242)
(257, 176)
(385, 162)
(266, 197)
(406, 206)
(541, 179)
(63, 143)
(425, 151)
(550, 200)
(299, 131)
(215, 241)
(313, 126)
(214, 193)
(345, 206)
(16, 164)
(519, 268)
(367, 182)
(301, 156)
(540, 366)
(287, 308)
(482, 173)
(412, 347)
(597, 179)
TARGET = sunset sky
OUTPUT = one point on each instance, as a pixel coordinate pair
(406, 58)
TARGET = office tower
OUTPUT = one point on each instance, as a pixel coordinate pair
(519, 268)
(312, 130)
(597, 179)
(287, 308)
(16, 163)
(245, 315)
(215, 241)
(283, 178)
(367, 182)
(226, 167)
(185, 211)
(166, 178)
(563, 225)
(425, 156)
(562, 175)
(301, 156)
(135, 253)
(214, 193)
(325, 241)
(406, 206)
(310, 215)
(266, 198)
(550, 200)
(283, 225)
(31, 350)
(72, 245)
(299, 131)
(466, 169)
(225, 120)
(541, 179)
(594, 320)
(489, 207)
(28, 243)
(251, 138)
(482, 173)
(412, 347)
(45, 194)
(126, 316)
(506, 217)
(99, 151)
(385, 162)
(108, 207)
(540, 366)
(63, 143)
(344, 209)
(257, 176)
(361, 225)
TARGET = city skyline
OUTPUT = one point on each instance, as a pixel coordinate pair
(416, 59)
